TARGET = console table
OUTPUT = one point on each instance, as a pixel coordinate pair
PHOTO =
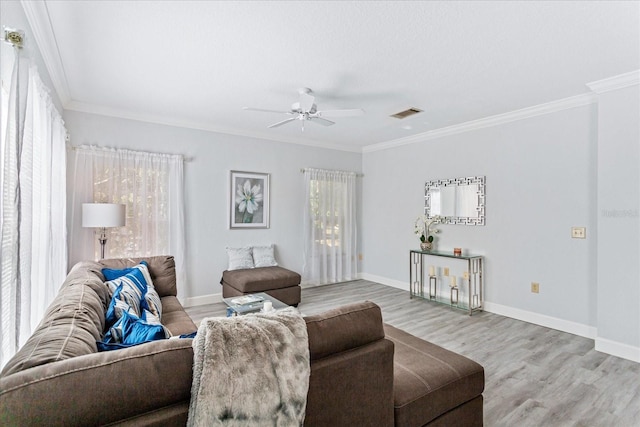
(468, 291)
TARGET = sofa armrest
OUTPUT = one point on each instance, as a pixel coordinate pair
(99, 388)
(343, 328)
(352, 388)
(351, 380)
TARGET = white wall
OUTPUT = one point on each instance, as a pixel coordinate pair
(619, 220)
(207, 184)
(540, 181)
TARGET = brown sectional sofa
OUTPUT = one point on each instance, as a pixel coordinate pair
(59, 379)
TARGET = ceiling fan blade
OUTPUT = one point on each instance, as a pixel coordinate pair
(321, 121)
(306, 102)
(275, 125)
(265, 111)
(341, 113)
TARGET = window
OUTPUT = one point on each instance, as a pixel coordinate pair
(151, 187)
(330, 227)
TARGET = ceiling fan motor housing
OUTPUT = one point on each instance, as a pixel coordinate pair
(295, 108)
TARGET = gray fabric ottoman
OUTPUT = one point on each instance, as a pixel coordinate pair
(280, 283)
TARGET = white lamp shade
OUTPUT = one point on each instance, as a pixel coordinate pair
(99, 215)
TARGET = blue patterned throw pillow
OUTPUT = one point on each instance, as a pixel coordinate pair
(130, 330)
(134, 313)
(112, 273)
(128, 291)
(132, 292)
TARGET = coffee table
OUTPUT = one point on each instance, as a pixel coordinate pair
(235, 309)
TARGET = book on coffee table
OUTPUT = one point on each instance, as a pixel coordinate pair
(247, 299)
(240, 305)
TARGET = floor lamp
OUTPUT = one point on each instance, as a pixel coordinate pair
(103, 216)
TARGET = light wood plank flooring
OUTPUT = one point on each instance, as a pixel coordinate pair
(535, 376)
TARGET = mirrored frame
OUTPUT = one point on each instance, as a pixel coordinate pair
(456, 200)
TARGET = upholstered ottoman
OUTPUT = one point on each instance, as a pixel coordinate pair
(432, 385)
(280, 283)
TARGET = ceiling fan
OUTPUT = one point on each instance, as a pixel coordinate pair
(306, 110)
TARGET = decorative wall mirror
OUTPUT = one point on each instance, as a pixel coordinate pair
(456, 200)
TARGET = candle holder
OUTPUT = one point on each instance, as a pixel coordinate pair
(433, 287)
(454, 296)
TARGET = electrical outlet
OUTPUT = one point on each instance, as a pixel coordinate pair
(579, 232)
(446, 271)
(535, 287)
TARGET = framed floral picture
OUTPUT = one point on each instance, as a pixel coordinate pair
(249, 200)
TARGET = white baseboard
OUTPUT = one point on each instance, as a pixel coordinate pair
(542, 320)
(514, 313)
(618, 349)
(385, 281)
(202, 300)
(603, 345)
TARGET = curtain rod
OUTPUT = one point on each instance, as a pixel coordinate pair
(75, 147)
(302, 170)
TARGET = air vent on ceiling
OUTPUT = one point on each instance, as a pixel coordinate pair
(406, 113)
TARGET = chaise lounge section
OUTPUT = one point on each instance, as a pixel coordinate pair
(433, 386)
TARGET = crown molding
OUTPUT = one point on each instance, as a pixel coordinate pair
(616, 82)
(38, 17)
(524, 113)
(151, 118)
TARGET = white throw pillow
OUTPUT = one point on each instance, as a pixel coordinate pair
(263, 256)
(239, 258)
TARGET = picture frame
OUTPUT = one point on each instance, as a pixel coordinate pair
(248, 200)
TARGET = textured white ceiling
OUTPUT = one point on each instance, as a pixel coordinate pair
(198, 63)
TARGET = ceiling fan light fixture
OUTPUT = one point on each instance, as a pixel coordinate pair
(406, 113)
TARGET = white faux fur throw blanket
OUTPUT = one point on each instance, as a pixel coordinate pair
(250, 370)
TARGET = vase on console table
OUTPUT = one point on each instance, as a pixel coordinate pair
(426, 246)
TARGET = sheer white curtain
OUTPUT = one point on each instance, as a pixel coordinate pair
(33, 222)
(151, 185)
(330, 232)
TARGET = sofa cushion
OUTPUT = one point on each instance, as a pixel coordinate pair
(429, 380)
(175, 319)
(260, 279)
(72, 323)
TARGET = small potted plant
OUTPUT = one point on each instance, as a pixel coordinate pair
(423, 229)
